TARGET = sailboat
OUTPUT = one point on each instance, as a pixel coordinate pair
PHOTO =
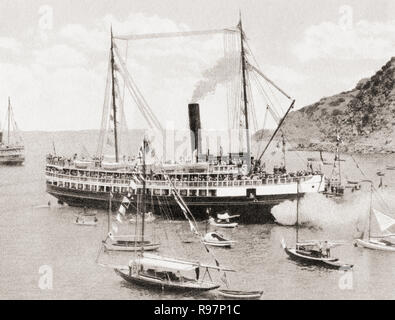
(129, 243)
(11, 152)
(334, 187)
(385, 241)
(313, 252)
(166, 272)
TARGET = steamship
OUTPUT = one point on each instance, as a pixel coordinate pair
(236, 182)
(12, 151)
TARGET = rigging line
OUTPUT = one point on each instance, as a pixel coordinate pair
(263, 91)
(278, 128)
(260, 72)
(105, 114)
(374, 189)
(146, 36)
(269, 81)
(141, 100)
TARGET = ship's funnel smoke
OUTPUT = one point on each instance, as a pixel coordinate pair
(220, 73)
(317, 211)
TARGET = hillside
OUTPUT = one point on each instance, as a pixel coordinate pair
(363, 117)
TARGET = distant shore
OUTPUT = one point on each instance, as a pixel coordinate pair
(345, 148)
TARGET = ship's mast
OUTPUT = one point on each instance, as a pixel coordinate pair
(243, 71)
(113, 100)
(9, 120)
(143, 199)
(297, 211)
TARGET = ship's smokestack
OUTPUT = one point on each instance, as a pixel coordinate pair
(1, 136)
(194, 126)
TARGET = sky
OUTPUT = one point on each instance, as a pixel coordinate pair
(54, 54)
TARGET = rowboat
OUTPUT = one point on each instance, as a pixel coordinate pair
(222, 224)
(83, 222)
(240, 295)
(216, 239)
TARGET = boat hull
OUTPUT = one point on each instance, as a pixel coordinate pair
(161, 285)
(329, 263)
(256, 210)
(11, 161)
(374, 245)
(130, 248)
(240, 295)
(221, 244)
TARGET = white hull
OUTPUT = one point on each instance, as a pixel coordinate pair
(130, 248)
(223, 244)
(86, 224)
(374, 245)
(224, 225)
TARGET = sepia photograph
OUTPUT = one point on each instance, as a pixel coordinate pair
(206, 151)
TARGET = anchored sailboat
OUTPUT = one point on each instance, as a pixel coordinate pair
(165, 272)
(384, 241)
(12, 151)
(313, 252)
(131, 243)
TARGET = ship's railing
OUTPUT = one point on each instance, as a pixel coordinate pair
(179, 184)
(84, 179)
(229, 183)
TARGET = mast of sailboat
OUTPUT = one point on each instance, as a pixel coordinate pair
(113, 100)
(9, 120)
(143, 199)
(243, 72)
(370, 210)
(109, 213)
(284, 152)
(297, 211)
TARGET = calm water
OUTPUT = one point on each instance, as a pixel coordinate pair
(32, 237)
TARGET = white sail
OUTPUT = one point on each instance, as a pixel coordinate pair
(384, 221)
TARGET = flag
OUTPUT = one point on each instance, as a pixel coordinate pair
(126, 200)
(133, 184)
(119, 218)
(122, 209)
(225, 280)
(193, 229)
(114, 227)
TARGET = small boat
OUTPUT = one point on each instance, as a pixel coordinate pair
(12, 150)
(129, 243)
(222, 224)
(216, 239)
(240, 295)
(384, 223)
(167, 274)
(313, 252)
(390, 168)
(223, 221)
(82, 221)
(379, 244)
